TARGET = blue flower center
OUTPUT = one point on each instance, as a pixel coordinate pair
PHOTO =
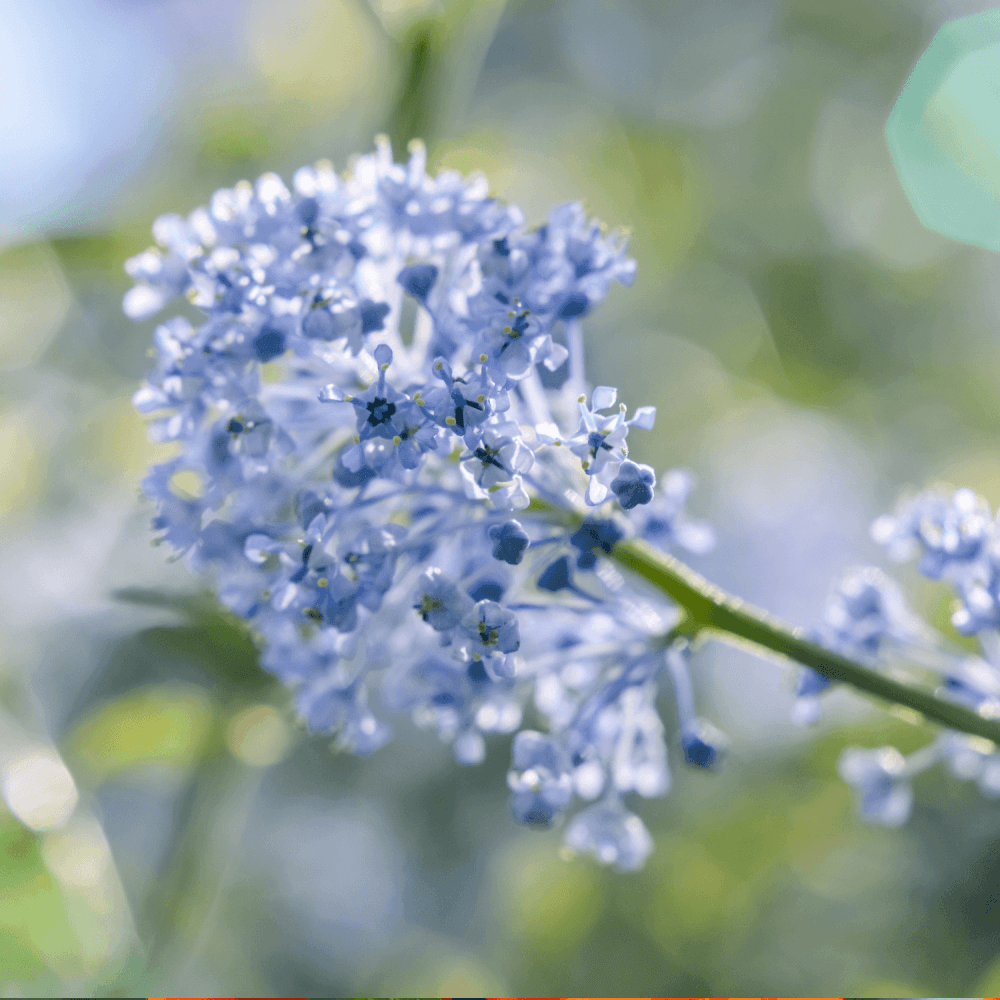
(488, 456)
(380, 411)
(596, 441)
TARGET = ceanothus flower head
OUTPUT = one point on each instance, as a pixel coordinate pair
(358, 473)
(950, 532)
(358, 480)
(956, 536)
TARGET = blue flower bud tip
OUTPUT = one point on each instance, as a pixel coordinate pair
(555, 577)
(418, 279)
(510, 542)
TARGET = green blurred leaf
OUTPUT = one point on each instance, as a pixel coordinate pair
(191, 605)
(19, 850)
(553, 905)
(216, 641)
(35, 930)
(892, 988)
(863, 27)
(161, 725)
(413, 116)
(989, 983)
(236, 138)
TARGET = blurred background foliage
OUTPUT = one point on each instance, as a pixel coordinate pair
(812, 350)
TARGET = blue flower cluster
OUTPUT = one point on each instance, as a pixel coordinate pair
(866, 618)
(957, 539)
(362, 423)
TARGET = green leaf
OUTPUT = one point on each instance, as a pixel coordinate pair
(35, 930)
(167, 724)
(989, 983)
(213, 639)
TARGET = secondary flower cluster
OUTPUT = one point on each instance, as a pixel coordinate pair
(386, 372)
(957, 539)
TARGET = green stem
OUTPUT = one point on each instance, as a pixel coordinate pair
(708, 609)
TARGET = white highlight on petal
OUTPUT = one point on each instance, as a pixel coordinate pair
(143, 301)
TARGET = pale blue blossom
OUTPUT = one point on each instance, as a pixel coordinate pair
(612, 834)
(357, 486)
(882, 783)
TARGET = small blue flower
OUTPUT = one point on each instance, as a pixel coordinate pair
(373, 315)
(509, 542)
(497, 455)
(436, 691)
(440, 601)
(343, 710)
(809, 685)
(370, 556)
(634, 484)
(539, 778)
(865, 611)
(492, 628)
(494, 464)
(464, 404)
(950, 531)
(703, 744)
(612, 834)
(333, 314)
(384, 413)
(576, 304)
(488, 587)
(600, 441)
(880, 780)
(335, 603)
